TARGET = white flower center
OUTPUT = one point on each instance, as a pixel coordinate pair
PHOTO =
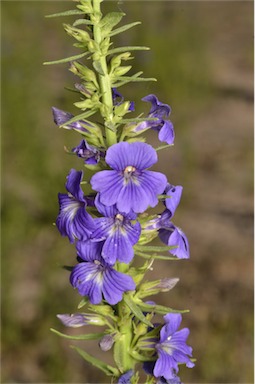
(129, 170)
(129, 174)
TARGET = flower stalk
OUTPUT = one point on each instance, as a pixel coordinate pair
(104, 78)
(111, 226)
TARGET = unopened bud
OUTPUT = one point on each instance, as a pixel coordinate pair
(77, 320)
(156, 286)
(106, 343)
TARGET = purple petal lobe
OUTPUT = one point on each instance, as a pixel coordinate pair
(124, 154)
(118, 247)
(88, 250)
(115, 284)
(166, 133)
(109, 184)
(174, 236)
(175, 192)
(87, 278)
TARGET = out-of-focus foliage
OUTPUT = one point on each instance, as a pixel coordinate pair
(201, 54)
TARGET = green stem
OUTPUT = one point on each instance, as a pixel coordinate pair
(104, 80)
(122, 345)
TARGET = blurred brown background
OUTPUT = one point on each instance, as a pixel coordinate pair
(202, 55)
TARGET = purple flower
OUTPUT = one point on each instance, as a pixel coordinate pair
(164, 127)
(73, 220)
(126, 377)
(170, 234)
(96, 279)
(172, 348)
(130, 185)
(119, 233)
(172, 202)
(89, 153)
(61, 117)
(118, 99)
(174, 236)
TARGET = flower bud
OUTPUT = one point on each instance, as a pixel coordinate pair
(86, 7)
(76, 320)
(156, 286)
(93, 46)
(106, 342)
(77, 33)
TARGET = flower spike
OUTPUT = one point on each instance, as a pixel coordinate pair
(114, 224)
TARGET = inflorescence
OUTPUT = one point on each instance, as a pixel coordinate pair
(111, 226)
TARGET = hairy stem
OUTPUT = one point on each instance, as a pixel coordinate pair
(104, 80)
(122, 345)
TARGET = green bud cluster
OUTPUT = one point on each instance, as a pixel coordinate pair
(103, 69)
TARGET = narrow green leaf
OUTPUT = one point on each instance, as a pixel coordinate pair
(155, 256)
(136, 310)
(67, 59)
(151, 248)
(106, 368)
(132, 78)
(124, 28)
(138, 120)
(66, 13)
(164, 146)
(124, 80)
(82, 116)
(88, 336)
(82, 21)
(160, 309)
(126, 49)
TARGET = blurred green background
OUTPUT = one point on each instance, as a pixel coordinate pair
(202, 55)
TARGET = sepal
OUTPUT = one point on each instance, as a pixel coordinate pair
(79, 34)
(128, 299)
(120, 71)
(67, 59)
(82, 22)
(85, 73)
(109, 21)
(86, 7)
(138, 273)
(159, 309)
(124, 28)
(83, 302)
(121, 110)
(104, 310)
(154, 287)
(126, 49)
(116, 60)
(88, 336)
(66, 13)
